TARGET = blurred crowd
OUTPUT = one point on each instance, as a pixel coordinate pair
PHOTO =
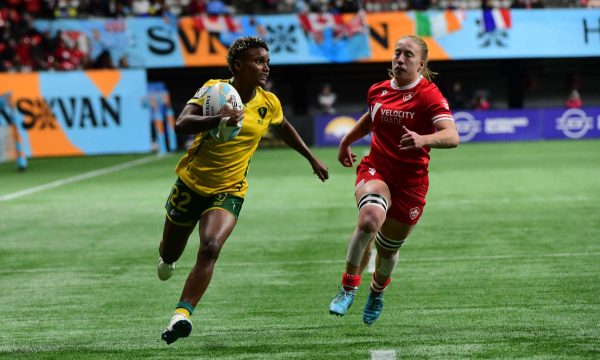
(24, 48)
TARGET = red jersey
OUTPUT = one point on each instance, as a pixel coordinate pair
(417, 106)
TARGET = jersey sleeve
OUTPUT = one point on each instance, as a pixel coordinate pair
(370, 94)
(438, 108)
(277, 111)
(200, 95)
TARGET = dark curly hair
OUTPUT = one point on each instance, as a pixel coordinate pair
(242, 44)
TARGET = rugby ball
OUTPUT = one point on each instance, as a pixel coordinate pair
(216, 97)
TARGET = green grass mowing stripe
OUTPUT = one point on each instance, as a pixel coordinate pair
(76, 178)
(487, 278)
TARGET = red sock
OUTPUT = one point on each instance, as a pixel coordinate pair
(350, 282)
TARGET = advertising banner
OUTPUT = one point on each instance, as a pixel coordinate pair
(330, 129)
(488, 125)
(78, 113)
(534, 124)
(308, 38)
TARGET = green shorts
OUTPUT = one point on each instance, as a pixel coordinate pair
(185, 207)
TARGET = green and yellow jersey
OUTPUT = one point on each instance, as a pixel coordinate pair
(210, 167)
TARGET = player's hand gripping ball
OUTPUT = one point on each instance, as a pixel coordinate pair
(218, 96)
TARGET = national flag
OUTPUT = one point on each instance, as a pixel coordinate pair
(358, 24)
(318, 22)
(216, 23)
(334, 39)
(436, 24)
(496, 19)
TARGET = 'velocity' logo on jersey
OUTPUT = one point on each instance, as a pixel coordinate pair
(574, 123)
(392, 116)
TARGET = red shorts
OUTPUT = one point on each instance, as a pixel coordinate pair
(408, 202)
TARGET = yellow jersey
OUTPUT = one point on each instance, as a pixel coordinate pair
(210, 167)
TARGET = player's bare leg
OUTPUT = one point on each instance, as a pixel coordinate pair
(373, 199)
(173, 243)
(368, 258)
(215, 228)
(388, 242)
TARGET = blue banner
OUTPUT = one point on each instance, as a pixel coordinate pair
(535, 124)
(330, 129)
(488, 125)
(310, 38)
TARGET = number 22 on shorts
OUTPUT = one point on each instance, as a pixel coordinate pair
(179, 199)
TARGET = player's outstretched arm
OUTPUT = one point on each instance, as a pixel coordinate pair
(290, 136)
(363, 127)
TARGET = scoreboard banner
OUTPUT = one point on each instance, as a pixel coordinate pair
(78, 113)
(203, 40)
(488, 125)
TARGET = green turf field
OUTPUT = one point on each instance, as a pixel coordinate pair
(505, 263)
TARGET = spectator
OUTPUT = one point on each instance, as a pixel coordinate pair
(123, 62)
(457, 97)
(196, 7)
(480, 102)
(327, 99)
(574, 100)
(103, 61)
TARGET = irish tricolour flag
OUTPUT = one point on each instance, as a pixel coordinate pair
(438, 23)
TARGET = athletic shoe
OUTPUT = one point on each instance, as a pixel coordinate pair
(179, 327)
(373, 307)
(342, 302)
(164, 270)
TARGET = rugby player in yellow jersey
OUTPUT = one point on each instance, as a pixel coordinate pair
(211, 181)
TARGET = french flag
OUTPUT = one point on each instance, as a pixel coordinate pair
(496, 19)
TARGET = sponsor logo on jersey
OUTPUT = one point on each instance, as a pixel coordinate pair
(409, 95)
(219, 198)
(414, 212)
(395, 117)
(372, 171)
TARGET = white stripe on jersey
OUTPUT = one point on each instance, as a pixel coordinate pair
(442, 117)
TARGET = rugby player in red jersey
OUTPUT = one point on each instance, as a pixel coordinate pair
(408, 115)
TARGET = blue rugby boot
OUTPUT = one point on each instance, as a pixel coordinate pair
(342, 302)
(373, 307)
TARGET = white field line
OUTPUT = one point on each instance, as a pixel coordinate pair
(338, 261)
(383, 355)
(80, 177)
